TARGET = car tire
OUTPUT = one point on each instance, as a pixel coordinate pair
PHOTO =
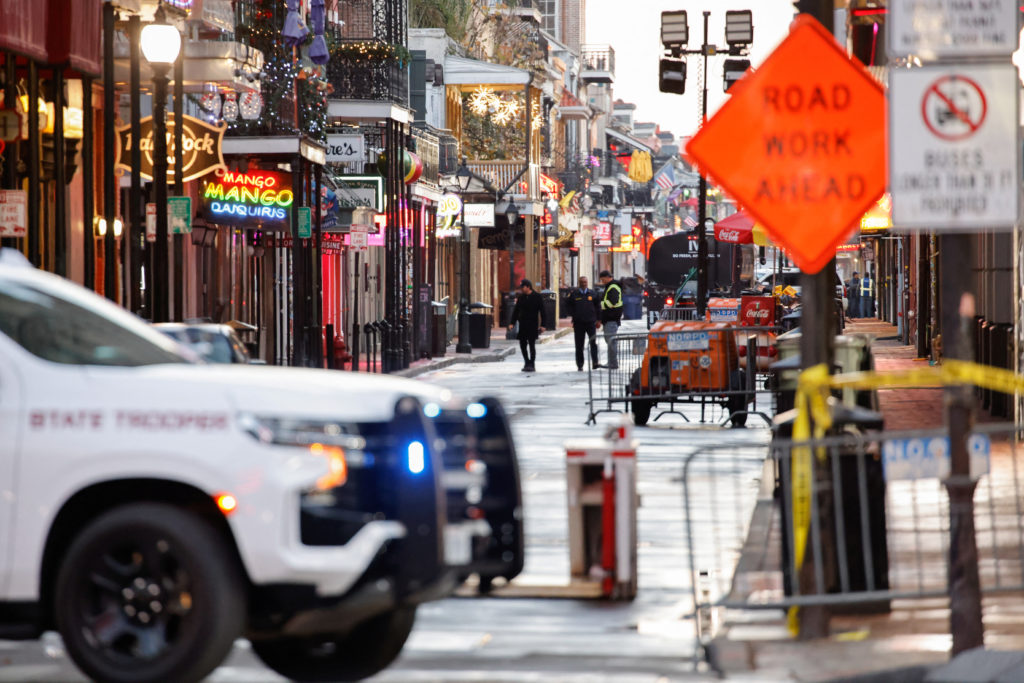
(642, 412)
(149, 592)
(360, 653)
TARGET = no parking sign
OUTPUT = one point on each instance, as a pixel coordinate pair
(953, 164)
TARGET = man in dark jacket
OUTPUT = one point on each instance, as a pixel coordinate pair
(584, 307)
(611, 315)
(528, 312)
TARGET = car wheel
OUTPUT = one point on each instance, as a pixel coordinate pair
(642, 412)
(368, 648)
(149, 592)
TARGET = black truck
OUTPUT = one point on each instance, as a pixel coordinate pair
(672, 270)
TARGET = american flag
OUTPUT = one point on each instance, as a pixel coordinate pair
(666, 178)
(690, 221)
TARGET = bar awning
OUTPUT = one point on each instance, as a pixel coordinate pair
(23, 28)
(629, 140)
(73, 34)
(464, 71)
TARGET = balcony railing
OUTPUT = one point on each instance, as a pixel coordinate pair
(597, 60)
(357, 77)
(501, 174)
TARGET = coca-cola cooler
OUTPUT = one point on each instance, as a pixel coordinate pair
(757, 311)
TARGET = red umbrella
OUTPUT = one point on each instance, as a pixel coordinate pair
(692, 201)
(736, 229)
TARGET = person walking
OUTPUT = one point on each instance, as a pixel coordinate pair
(528, 312)
(853, 295)
(584, 307)
(611, 315)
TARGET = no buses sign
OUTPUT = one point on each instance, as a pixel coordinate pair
(953, 161)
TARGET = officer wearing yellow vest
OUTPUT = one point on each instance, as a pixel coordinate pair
(867, 296)
(611, 315)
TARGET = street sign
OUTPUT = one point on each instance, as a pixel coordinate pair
(150, 222)
(305, 221)
(10, 125)
(179, 215)
(952, 162)
(937, 29)
(801, 144)
(928, 458)
(357, 240)
(13, 213)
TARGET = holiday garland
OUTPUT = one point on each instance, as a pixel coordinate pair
(283, 73)
(365, 51)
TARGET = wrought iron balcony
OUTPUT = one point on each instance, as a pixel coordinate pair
(368, 70)
(598, 64)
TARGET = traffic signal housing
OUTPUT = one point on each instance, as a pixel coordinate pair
(672, 76)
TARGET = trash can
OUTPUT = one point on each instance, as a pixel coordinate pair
(853, 471)
(508, 302)
(480, 323)
(602, 501)
(632, 306)
(439, 332)
(550, 297)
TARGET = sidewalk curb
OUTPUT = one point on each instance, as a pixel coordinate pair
(489, 357)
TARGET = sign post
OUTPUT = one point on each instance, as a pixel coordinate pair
(960, 174)
(801, 145)
(13, 213)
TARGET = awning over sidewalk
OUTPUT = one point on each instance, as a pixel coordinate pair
(628, 140)
(472, 72)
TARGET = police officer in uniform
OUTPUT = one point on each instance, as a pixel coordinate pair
(867, 296)
(611, 315)
(584, 308)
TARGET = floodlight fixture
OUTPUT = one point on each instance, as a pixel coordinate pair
(674, 30)
(739, 28)
(734, 70)
(672, 76)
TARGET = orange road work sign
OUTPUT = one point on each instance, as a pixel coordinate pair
(801, 144)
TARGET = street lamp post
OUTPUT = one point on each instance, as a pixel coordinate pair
(160, 45)
(464, 177)
(512, 215)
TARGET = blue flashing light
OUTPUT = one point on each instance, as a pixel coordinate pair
(416, 461)
(431, 410)
(476, 410)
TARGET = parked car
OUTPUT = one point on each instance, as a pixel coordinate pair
(213, 342)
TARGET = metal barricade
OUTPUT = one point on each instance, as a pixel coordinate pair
(677, 313)
(701, 367)
(877, 521)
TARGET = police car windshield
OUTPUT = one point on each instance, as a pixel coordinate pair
(63, 330)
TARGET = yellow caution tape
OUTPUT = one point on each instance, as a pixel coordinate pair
(814, 418)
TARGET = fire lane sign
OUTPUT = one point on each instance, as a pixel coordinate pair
(952, 165)
(801, 144)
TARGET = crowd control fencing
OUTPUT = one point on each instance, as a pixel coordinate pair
(660, 372)
(851, 522)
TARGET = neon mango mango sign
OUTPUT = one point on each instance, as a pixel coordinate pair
(261, 198)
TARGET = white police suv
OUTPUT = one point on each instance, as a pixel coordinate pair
(153, 509)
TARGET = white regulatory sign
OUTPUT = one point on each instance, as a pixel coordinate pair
(688, 341)
(934, 29)
(952, 163)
